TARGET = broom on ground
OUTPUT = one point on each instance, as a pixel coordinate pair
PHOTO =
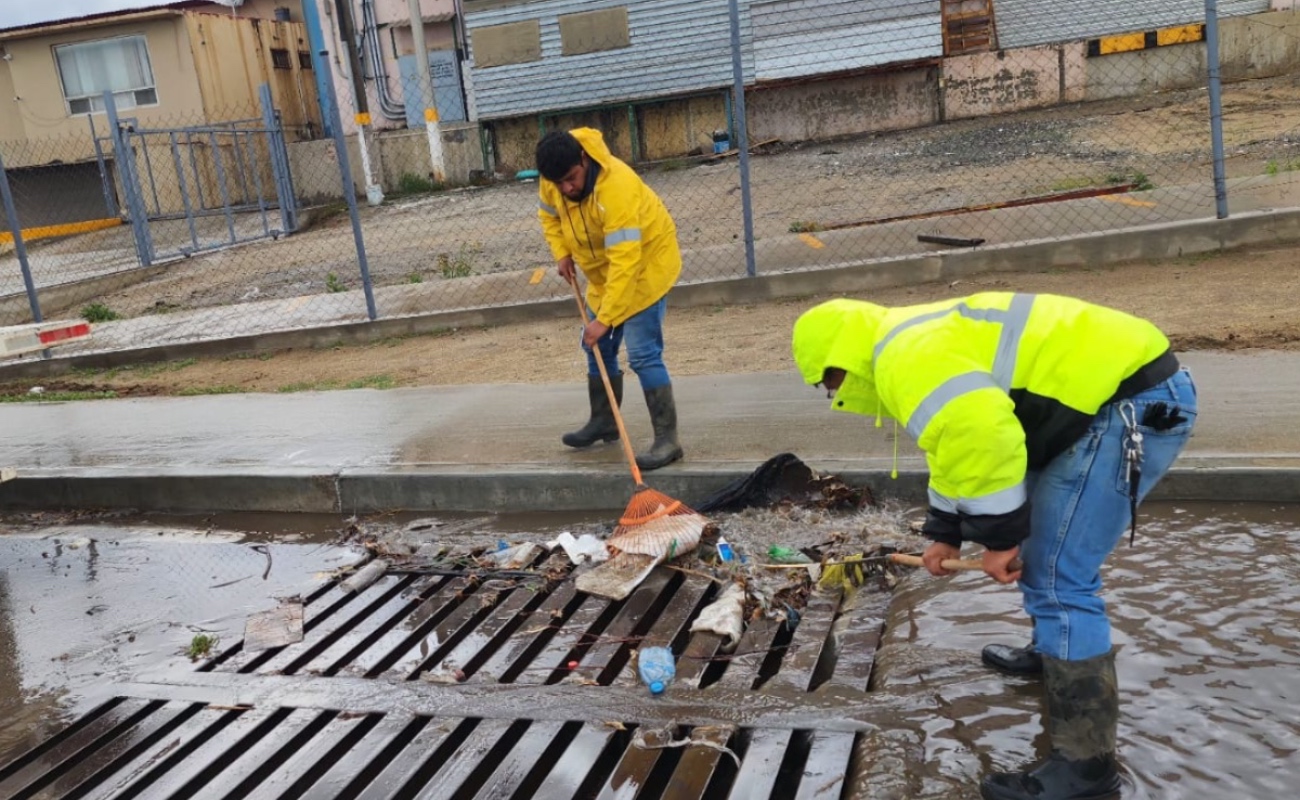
(653, 524)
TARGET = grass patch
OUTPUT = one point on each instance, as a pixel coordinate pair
(333, 285)
(56, 397)
(1071, 184)
(198, 391)
(368, 382)
(98, 312)
(410, 183)
(461, 263)
(201, 646)
(804, 226)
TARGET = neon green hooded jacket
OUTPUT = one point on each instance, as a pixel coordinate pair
(991, 386)
(621, 236)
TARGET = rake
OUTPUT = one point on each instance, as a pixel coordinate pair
(653, 524)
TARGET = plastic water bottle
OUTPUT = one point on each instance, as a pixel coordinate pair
(656, 667)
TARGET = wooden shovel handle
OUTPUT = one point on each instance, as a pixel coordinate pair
(959, 564)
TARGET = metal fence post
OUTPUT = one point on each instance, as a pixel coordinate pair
(110, 196)
(279, 160)
(130, 175)
(349, 191)
(20, 247)
(742, 135)
(1216, 106)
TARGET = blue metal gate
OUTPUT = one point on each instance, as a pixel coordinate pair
(193, 189)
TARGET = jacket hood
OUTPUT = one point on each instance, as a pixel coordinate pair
(842, 334)
(594, 143)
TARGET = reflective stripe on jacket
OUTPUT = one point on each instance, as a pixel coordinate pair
(992, 385)
(621, 236)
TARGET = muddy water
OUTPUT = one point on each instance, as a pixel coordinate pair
(1206, 609)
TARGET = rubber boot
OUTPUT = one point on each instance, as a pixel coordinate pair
(1082, 719)
(1013, 660)
(663, 417)
(601, 426)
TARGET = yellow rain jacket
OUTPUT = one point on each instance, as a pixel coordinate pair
(992, 386)
(621, 235)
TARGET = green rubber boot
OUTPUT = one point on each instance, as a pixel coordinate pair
(1082, 720)
(663, 417)
(601, 426)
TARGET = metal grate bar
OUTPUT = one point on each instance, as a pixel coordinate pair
(762, 764)
(856, 637)
(608, 655)
(260, 758)
(43, 763)
(375, 744)
(363, 633)
(700, 763)
(493, 632)
(538, 747)
(413, 631)
(307, 763)
(403, 767)
(753, 649)
(536, 627)
(227, 735)
(573, 768)
(195, 722)
(472, 755)
(90, 770)
(672, 624)
(386, 602)
(632, 773)
(588, 621)
(827, 766)
(805, 651)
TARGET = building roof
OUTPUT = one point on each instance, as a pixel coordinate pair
(134, 10)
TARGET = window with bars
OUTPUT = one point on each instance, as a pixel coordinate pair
(120, 65)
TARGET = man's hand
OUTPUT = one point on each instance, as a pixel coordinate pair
(592, 333)
(936, 554)
(566, 269)
(998, 565)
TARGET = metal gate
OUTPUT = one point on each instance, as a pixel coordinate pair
(187, 190)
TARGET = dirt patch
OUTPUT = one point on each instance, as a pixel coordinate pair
(1232, 301)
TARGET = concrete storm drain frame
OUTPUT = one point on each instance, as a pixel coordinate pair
(470, 685)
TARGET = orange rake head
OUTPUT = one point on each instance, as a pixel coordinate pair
(655, 524)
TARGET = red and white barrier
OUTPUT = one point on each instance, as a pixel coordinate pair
(19, 339)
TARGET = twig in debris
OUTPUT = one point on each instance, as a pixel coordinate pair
(638, 741)
(696, 573)
(465, 573)
(840, 562)
(266, 551)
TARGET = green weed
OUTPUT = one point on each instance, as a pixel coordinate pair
(98, 312)
(801, 226)
(56, 397)
(333, 285)
(460, 264)
(201, 646)
(410, 183)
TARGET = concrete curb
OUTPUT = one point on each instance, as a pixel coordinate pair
(1164, 240)
(515, 489)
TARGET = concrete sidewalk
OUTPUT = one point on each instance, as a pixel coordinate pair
(496, 448)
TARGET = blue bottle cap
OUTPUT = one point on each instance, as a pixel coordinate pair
(657, 687)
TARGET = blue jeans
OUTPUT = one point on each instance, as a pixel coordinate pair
(1080, 512)
(644, 332)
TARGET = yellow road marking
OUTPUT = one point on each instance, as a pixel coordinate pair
(538, 274)
(1128, 201)
(66, 229)
(811, 241)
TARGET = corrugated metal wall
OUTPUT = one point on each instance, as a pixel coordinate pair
(678, 47)
(799, 38)
(1023, 23)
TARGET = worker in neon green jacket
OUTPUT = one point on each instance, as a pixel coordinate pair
(1044, 420)
(600, 217)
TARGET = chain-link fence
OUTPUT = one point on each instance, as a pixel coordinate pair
(339, 185)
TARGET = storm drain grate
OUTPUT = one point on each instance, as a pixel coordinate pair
(445, 686)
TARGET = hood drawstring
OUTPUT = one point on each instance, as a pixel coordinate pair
(893, 471)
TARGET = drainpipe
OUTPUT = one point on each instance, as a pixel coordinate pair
(347, 33)
(316, 38)
(389, 106)
(436, 161)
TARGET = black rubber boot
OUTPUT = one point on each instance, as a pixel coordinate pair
(663, 417)
(601, 427)
(1082, 719)
(1013, 660)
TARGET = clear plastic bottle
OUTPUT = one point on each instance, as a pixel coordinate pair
(657, 668)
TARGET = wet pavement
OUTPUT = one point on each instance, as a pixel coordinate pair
(497, 447)
(882, 696)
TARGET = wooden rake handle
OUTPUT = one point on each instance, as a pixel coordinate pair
(609, 390)
(956, 564)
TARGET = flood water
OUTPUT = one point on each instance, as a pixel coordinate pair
(1206, 607)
